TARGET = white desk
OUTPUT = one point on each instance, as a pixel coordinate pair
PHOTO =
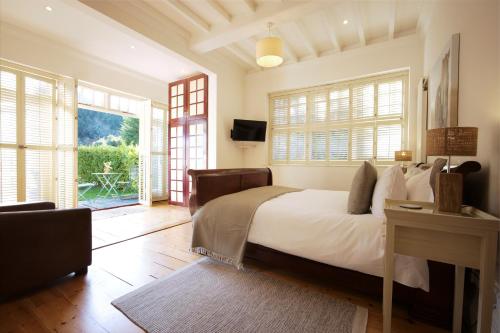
(464, 240)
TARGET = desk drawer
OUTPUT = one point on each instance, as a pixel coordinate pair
(451, 248)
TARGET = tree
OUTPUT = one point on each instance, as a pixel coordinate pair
(130, 131)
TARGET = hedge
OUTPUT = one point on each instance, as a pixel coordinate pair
(91, 159)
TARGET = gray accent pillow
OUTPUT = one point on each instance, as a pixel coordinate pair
(437, 167)
(360, 196)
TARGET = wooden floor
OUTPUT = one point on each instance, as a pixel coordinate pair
(83, 304)
(114, 225)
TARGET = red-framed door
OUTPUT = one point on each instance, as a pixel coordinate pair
(188, 134)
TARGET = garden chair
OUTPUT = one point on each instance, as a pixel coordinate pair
(127, 184)
(83, 188)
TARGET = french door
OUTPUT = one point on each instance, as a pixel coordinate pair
(36, 157)
(188, 134)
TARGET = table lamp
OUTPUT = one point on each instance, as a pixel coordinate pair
(403, 156)
(451, 141)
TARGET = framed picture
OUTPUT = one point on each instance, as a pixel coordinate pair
(443, 87)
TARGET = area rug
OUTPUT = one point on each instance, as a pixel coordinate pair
(208, 296)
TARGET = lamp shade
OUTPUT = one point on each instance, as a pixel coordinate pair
(452, 141)
(403, 155)
(269, 52)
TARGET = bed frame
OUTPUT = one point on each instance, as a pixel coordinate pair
(435, 307)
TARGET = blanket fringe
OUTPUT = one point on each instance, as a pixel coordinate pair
(216, 256)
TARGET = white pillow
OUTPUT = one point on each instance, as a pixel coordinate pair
(391, 185)
(419, 188)
(412, 171)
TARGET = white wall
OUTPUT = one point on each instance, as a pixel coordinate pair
(478, 103)
(28, 48)
(402, 53)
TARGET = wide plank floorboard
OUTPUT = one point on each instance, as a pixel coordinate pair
(83, 303)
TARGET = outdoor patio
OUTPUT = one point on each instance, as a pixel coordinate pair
(107, 203)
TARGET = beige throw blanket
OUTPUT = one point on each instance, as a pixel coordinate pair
(221, 226)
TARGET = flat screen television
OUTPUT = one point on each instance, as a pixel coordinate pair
(249, 130)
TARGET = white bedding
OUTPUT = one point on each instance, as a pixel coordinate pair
(314, 224)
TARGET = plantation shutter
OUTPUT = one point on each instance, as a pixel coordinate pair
(8, 136)
(159, 157)
(340, 123)
(318, 113)
(339, 144)
(339, 104)
(66, 144)
(390, 98)
(39, 115)
(362, 143)
(363, 101)
(389, 139)
(144, 179)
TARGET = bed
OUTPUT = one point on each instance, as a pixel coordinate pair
(321, 239)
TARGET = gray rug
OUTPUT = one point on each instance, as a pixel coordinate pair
(211, 297)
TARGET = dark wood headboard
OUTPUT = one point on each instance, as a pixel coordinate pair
(211, 184)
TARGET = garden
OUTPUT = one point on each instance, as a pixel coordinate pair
(108, 159)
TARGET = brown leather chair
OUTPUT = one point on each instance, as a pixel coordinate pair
(39, 244)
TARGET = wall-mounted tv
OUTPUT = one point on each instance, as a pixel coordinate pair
(248, 130)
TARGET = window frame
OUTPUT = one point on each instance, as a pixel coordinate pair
(328, 125)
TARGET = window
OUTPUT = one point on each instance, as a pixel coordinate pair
(100, 99)
(341, 123)
(36, 136)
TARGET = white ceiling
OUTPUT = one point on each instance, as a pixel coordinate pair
(75, 25)
(309, 29)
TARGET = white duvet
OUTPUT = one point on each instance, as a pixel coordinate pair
(314, 224)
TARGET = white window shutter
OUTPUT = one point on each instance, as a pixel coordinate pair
(390, 98)
(8, 136)
(297, 146)
(319, 111)
(389, 138)
(318, 144)
(145, 193)
(340, 123)
(66, 158)
(362, 143)
(39, 139)
(363, 101)
(339, 104)
(339, 144)
(159, 155)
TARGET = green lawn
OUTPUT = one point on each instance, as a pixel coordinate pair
(92, 194)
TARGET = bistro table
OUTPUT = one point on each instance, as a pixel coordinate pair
(108, 182)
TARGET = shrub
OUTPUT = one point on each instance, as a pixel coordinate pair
(91, 159)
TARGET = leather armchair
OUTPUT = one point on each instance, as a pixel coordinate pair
(39, 244)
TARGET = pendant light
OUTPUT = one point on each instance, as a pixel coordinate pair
(269, 50)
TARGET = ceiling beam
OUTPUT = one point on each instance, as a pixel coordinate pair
(251, 5)
(305, 40)
(289, 53)
(392, 19)
(219, 10)
(243, 27)
(359, 24)
(327, 19)
(424, 17)
(189, 15)
(242, 55)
